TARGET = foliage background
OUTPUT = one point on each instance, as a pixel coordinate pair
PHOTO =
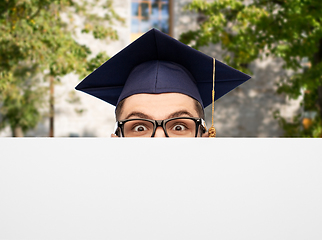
(290, 30)
(38, 47)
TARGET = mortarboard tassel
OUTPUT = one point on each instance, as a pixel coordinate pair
(212, 130)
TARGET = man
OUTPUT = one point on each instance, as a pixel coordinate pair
(160, 87)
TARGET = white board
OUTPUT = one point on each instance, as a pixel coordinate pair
(102, 188)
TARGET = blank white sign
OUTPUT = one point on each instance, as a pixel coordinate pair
(216, 189)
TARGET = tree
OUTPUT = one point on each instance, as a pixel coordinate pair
(291, 30)
(20, 101)
(37, 45)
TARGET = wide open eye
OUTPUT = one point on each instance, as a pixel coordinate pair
(182, 127)
(140, 128)
(179, 127)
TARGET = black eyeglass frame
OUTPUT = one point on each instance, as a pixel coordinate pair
(160, 123)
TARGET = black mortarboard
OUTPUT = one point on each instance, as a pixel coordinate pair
(157, 63)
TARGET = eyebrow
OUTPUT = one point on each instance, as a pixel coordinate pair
(180, 113)
(172, 115)
(138, 114)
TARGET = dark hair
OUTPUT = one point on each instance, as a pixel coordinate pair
(118, 109)
(198, 108)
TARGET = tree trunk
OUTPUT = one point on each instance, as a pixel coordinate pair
(17, 132)
(320, 100)
(318, 59)
(51, 106)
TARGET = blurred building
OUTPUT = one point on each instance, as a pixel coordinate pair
(245, 112)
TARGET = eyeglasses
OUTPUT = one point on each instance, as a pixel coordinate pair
(172, 127)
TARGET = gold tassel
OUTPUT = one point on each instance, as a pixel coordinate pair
(212, 130)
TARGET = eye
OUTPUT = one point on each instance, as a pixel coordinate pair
(179, 127)
(140, 128)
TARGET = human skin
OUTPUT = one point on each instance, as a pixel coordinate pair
(158, 107)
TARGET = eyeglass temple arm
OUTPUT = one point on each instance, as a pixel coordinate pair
(117, 130)
(203, 123)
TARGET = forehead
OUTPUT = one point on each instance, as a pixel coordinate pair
(158, 106)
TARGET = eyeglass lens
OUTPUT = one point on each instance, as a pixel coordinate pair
(174, 128)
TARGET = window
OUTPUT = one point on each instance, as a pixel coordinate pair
(147, 14)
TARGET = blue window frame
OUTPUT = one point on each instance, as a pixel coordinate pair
(147, 14)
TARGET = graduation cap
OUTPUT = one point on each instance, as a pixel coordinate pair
(158, 63)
